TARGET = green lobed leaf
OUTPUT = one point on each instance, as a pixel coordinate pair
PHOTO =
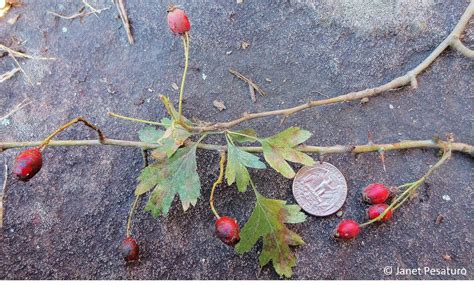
(173, 137)
(268, 222)
(242, 136)
(168, 177)
(237, 163)
(150, 134)
(281, 147)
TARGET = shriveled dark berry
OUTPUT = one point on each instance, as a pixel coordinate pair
(129, 249)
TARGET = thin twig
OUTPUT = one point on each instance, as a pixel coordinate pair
(249, 82)
(23, 55)
(9, 74)
(78, 15)
(21, 69)
(125, 21)
(252, 93)
(407, 144)
(17, 108)
(46, 141)
(93, 10)
(459, 46)
(408, 78)
(111, 114)
(4, 189)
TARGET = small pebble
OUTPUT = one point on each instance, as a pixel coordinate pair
(446, 198)
(391, 106)
(5, 122)
(204, 76)
(245, 45)
(64, 29)
(228, 52)
(339, 213)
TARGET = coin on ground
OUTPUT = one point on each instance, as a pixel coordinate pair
(320, 189)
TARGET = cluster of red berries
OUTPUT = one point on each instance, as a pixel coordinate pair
(375, 194)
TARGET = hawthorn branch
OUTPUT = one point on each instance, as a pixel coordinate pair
(452, 40)
(335, 149)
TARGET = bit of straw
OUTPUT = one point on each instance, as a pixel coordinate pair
(251, 84)
(124, 17)
(9, 74)
(4, 188)
(80, 14)
(18, 107)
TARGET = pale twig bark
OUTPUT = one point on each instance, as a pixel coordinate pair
(409, 78)
(406, 144)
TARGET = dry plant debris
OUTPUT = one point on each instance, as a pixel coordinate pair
(252, 85)
(219, 104)
(17, 108)
(9, 74)
(126, 23)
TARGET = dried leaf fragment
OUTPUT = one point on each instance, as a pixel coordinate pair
(219, 105)
(245, 45)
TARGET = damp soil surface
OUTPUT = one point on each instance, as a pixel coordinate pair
(68, 221)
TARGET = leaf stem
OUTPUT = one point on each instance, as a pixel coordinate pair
(134, 119)
(217, 182)
(185, 38)
(242, 134)
(130, 215)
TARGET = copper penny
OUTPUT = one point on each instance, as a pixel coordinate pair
(320, 189)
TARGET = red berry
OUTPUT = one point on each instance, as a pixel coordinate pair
(28, 163)
(178, 20)
(129, 249)
(375, 210)
(227, 230)
(375, 193)
(347, 229)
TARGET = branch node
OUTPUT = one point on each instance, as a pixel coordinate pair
(413, 81)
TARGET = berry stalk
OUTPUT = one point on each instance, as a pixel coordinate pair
(412, 187)
(217, 182)
(45, 143)
(130, 216)
(185, 38)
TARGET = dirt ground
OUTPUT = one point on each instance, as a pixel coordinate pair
(67, 223)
